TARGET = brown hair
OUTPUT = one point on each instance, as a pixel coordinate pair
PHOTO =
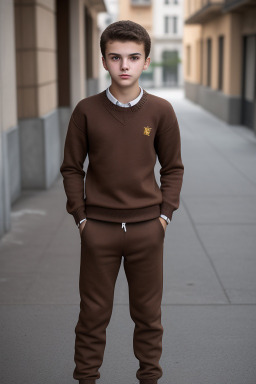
(125, 30)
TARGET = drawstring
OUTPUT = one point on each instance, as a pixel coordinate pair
(123, 226)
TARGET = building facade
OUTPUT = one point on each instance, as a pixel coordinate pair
(220, 56)
(141, 12)
(49, 61)
(167, 41)
(104, 20)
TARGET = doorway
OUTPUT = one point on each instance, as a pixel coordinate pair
(249, 82)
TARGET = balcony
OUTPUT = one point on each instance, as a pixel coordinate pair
(230, 5)
(97, 5)
(140, 3)
(205, 10)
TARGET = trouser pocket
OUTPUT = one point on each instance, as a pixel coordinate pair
(160, 224)
(84, 228)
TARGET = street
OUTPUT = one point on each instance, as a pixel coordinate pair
(209, 300)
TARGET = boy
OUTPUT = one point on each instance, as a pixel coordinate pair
(124, 212)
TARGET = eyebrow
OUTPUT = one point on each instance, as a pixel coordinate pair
(131, 54)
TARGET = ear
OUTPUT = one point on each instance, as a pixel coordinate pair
(146, 64)
(104, 63)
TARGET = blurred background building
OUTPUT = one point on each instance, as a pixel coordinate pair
(220, 58)
(167, 43)
(50, 59)
(164, 22)
(104, 19)
(141, 12)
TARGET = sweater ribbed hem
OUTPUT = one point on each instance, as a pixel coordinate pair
(122, 215)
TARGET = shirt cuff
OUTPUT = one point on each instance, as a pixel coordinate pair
(80, 222)
(165, 218)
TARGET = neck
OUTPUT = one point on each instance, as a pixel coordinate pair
(125, 95)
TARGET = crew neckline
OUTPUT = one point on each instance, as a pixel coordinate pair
(131, 103)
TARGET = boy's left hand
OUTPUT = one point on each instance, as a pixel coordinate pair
(163, 222)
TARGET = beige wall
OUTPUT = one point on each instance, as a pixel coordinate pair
(77, 46)
(35, 22)
(95, 44)
(232, 26)
(78, 49)
(234, 56)
(217, 27)
(192, 64)
(140, 15)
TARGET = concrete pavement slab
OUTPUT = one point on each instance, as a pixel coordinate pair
(232, 249)
(206, 173)
(202, 344)
(222, 209)
(188, 273)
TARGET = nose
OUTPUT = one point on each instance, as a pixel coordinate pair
(124, 65)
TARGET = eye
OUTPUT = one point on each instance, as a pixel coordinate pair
(134, 58)
(115, 58)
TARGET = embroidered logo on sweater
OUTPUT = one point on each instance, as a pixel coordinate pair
(147, 131)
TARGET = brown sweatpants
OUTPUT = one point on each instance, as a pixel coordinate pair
(102, 246)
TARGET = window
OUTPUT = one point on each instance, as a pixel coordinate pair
(249, 67)
(175, 25)
(146, 76)
(221, 62)
(170, 68)
(188, 59)
(249, 81)
(171, 25)
(209, 61)
(201, 60)
(141, 2)
(166, 24)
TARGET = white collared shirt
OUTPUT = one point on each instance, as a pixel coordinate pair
(126, 105)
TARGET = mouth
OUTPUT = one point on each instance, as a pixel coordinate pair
(125, 76)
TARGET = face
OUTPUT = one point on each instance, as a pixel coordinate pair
(125, 62)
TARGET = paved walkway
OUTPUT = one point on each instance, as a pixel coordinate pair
(209, 301)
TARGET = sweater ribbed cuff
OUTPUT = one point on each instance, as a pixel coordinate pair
(167, 210)
(79, 214)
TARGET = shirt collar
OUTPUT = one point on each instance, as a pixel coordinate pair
(126, 105)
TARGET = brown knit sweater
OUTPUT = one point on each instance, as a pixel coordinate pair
(122, 145)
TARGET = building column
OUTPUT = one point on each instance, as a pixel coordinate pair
(77, 51)
(9, 157)
(35, 23)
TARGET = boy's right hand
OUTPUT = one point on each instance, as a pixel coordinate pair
(81, 226)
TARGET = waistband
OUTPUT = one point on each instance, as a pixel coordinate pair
(122, 215)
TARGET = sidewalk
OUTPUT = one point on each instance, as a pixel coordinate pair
(209, 301)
